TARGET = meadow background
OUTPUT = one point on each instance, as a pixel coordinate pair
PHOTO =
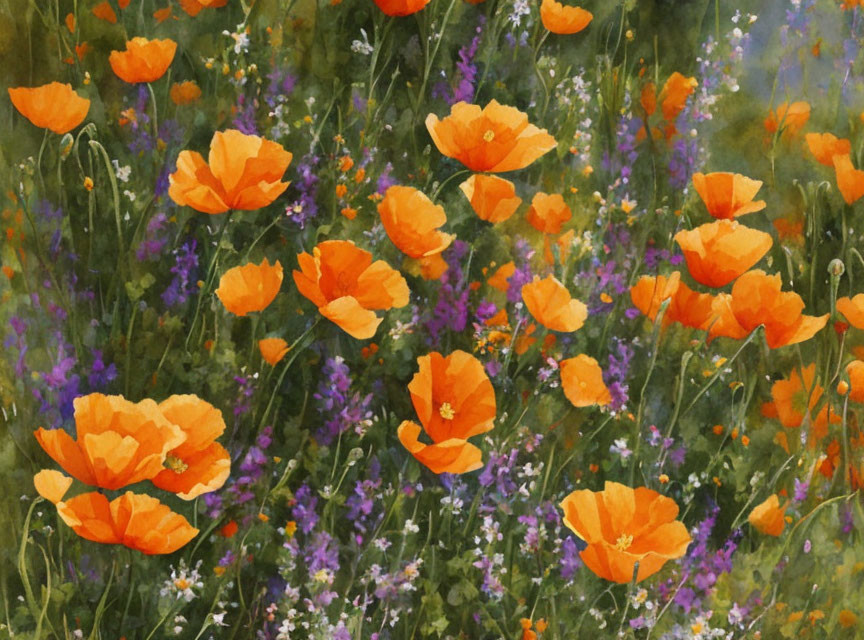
(327, 526)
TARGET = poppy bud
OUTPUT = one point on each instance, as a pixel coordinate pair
(66, 143)
(836, 268)
(354, 455)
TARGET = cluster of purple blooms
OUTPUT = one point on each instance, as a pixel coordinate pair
(185, 269)
(340, 409)
(451, 309)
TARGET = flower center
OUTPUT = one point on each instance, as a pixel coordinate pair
(446, 411)
(181, 583)
(623, 543)
(175, 464)
(489, 136)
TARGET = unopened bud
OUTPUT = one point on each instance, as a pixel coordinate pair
(836, 267)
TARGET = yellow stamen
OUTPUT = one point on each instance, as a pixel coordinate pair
(623, 543)
(489, 136)
(446, 411)
(175, 464)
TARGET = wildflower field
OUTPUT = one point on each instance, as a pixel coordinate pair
(448, 319)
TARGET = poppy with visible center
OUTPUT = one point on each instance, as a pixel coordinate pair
(718, 252)
(454, 401)
(728, 195)
(496, 138)
(411, 221)
(347, 287)
(53, 106)
(118, 442)
(623, 526)
(250, 287)
(551, 305)
(242, 172)
(562, 19)
(200, 464)
(582, 382)
(144, 60)
(492, 198)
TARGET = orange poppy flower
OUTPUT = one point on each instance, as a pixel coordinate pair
(194, 7)
(53, 106)
(728, 195)
(850, 181)
(855, 371)
(769, 517)
(852, 309)
(563, 20)
(119, 442)
(623, 526)
(242, 172)
(144, 60)
(551, 305)
(824, 146)
(501, 278)
(52, 485)
(411, 221)
(185, 92)
(347, 287)
(454, 400)
(496, 138)
(200, 464)
(399, 8)
(105, 12)
(273, 350)
(582, 382)
(651, 291)
(718, 252)
(251, 287)
(673, 96)
(791, 403)
(791, 117)
(757, 299)
(548, 212)
(493, 199)
(133, 520)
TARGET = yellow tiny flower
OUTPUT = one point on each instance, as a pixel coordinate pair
(88, 183)
(290, 528)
